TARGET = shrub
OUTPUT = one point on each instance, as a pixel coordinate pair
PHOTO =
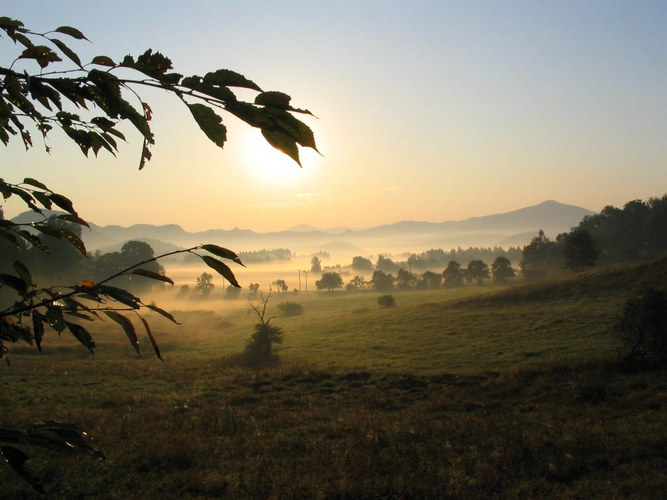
(386, 301)
(643, 329)
(259, 349)
(290, 308)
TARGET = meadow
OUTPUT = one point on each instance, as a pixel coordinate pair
(479, 392)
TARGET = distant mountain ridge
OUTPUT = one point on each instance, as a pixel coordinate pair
(517, 227)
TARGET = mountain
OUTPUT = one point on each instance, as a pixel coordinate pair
(515, 228)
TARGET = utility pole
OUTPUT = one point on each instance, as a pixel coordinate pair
(299, 279)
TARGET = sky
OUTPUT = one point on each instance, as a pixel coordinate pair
(424, 110)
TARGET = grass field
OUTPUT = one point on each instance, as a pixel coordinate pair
(472, 393)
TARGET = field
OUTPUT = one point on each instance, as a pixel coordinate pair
(473, 393)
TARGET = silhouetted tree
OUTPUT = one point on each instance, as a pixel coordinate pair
(260, 348)
(204, 283)
(382, 282)
(541, 257)
(356, 283)
(478, 271)
(405, 279)
(385, 264)
(580, 250)
(329, 281)
(360, 263)
(315, 264)
(502, 270)
(453, 274)
(281, 285)
(431, 280)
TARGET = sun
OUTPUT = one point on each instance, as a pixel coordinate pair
(270, 165)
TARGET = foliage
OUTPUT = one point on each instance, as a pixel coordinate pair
(637, 231)
(478, 271)
(261, 256)
(37, 94)
(360, 263)
(502, 270)
(281, 285)
(437, 258)
(540, 258)
(315, 264)
(643, 329)
(386, 301)
(382, 282)
(453, 274)
(260, 349)
(290, 308)
(430, 280)
(386, 265)
(204, 283)
(405, 280)
(329, 281)
(580, 250)
(356, 283)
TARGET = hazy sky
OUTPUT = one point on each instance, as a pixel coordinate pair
(426, 110)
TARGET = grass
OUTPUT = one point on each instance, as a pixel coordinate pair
(451, 394)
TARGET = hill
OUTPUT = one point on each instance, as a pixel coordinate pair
(516, 227)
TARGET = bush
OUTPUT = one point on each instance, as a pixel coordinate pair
(290, 308)
(260, 348)
(643, 329)
(386, 301)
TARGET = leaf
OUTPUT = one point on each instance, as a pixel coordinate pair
(223, 252)
(35, 183)
(156, 348)
(23, 273)
(120, 295)
(222, 269)
(229, 78)
(38, 328)
(63, 202)
(67, 51)
(153, 275)
(127, 326)
(274, 99)
(73, 32)
(103, 61)
(54, 317)
(82, 335)
(162, 312)
(13, 282)
(210, 123)
(74, 240)
(68, 435)
(73, 218)
(282, 142)
(40, 53)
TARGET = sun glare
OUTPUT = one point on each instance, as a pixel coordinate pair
(269, 164)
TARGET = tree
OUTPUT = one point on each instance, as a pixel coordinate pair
(281, 285)
(502, 270)
(643, 329)
(385, 264)
(405, 279)
(453, 274)
(579, 248)
(329, 281)
(360, 263)
(431, 279)
(478, 271)
(315, 264)
(205, 283)
(540, 258)
(382, 282)
(356, 283)
(31, 102)
(260, 348)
